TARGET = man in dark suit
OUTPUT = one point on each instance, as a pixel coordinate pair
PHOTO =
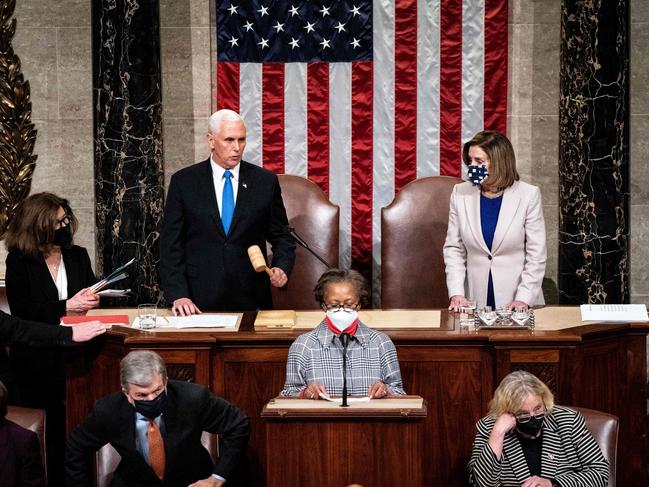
(20, 454)
(215, 210)
(156, 425)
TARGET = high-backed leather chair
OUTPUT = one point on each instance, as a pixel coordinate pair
(315, 219)
(413, 230)
(33, 420)
(107, 459)
(604, 428)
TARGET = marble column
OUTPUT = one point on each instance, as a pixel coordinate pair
(128, 140)
(594, 152)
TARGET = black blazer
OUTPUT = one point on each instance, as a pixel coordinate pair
(199, 261)
(14, 330)
(190, 410)
(20, 457)
(31, 292)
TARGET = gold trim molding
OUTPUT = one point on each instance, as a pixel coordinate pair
(17, 132)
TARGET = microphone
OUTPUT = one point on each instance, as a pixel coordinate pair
(305, 245)
(344, 339)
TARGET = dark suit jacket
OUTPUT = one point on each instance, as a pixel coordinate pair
(32, 294)
(190, 410)
(14, 330)
(20, 457)
(199, 261)
(31, 291)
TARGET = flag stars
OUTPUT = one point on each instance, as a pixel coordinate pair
(263, 43)
(340, 27)
(233, 9)
(324, 11)
(325, 43)
(248, 26)
(293, 11)
(278, 27)
(309, 27)
(234, 41)
(263, 10)
(355, 11)
(355, 43)
(294, 43)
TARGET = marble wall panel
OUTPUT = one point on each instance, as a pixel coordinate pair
(594, 158)
(128, 141)
(533, 104)
(53, 43)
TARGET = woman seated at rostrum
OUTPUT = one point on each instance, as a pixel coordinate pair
(315, 359)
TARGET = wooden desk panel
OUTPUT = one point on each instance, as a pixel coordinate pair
(596, 366)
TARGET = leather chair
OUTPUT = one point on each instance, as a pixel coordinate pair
(604, 428)
(413, 230)
(315, 219)
(107, 459)
(33, 420)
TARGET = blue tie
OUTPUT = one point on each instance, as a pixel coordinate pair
(227, 202)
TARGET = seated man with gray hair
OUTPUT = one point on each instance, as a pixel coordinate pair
(156, 425)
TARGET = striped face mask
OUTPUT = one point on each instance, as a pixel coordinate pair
(477, 174)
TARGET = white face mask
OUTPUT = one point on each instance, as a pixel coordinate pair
(342, 319)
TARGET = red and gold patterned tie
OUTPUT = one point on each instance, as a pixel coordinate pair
(156, 449)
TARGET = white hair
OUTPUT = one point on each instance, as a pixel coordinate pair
(225, 115)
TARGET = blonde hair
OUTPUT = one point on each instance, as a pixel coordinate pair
(502, 167)
(515, 389)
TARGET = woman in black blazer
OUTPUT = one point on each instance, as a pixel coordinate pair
(46, 277)
(527, 441)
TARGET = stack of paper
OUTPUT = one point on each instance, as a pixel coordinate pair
(115, 276)
(628, 313)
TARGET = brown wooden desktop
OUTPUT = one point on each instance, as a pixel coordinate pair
(599, 366)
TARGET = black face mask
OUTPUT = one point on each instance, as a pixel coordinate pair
(532, 427)
(62, 236)
(153, 408)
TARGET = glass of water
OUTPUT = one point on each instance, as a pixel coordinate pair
(147, 314)
(467, 312)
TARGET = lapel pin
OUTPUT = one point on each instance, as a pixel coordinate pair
(550, 456)
(244, 185)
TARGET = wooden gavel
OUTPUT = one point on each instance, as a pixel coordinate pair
(257, 260)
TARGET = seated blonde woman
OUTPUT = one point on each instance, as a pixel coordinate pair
(526, 440)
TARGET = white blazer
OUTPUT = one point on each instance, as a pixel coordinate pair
(518, 255)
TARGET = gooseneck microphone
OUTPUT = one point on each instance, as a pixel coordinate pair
(305, 245)
(344, 339)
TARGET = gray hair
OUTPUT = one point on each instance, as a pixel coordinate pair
(140, 368)
(225, 115)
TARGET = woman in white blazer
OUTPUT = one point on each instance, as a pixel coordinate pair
(527, 441)
(495, 249)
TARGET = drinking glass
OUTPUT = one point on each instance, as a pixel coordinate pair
(467, 314)
(147, 314)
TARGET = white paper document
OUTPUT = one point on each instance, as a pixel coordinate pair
(193, 321)
(614, 312)
(203, 321)
(339, 400)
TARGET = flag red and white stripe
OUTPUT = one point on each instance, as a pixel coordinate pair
(363, 130)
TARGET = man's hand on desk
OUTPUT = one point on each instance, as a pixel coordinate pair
(208, 482)
(184, 307)
(278, 279)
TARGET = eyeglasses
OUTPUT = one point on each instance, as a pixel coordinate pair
(347, 308)
(526, 417)
(64, 222)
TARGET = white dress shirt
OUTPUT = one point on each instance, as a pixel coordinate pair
(61, 281)
(219, 181)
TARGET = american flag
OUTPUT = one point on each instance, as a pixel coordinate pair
(362, 97)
